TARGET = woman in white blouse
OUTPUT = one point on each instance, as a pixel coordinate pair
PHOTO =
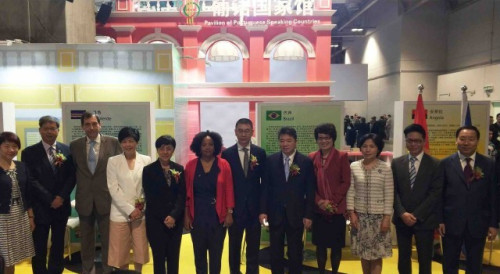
(370, 204)
(127, 226)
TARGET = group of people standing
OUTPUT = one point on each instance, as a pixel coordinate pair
(239, 190)
(355, 127)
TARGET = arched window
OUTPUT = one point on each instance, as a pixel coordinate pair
(288, 62)
(224, 63)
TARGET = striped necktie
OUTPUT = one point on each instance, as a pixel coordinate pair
(413, 171)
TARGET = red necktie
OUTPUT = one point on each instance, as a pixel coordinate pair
(468, 171)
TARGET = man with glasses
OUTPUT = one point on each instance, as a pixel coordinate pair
(418, 186)
(247, 165)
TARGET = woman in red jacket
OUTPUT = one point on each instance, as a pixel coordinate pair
(209, 200)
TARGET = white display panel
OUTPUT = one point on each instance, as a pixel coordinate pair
(222, 117)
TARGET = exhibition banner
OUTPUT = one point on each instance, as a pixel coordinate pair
(443, 119)
(304, 117)
(113, 116)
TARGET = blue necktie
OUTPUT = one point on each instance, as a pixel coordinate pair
(413, 171)
(287, 167)
(92, 158)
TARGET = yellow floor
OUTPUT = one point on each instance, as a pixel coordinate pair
(349, 263)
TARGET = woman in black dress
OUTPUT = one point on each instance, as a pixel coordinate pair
(165, 193)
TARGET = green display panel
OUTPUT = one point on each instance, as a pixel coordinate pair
(304, 117)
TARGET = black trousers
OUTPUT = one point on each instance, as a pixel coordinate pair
(424, 240)
(56, 256)
(252, 239)
(211, 240)
(295, 247)
(165, 245)
(474, 247)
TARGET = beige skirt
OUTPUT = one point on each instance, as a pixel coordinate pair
(124, 236)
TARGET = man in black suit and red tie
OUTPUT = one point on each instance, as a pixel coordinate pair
(469, 211)
(53, 180)
(418, 188)
(247, 165)
(287, 201)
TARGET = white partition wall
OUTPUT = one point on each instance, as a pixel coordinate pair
(7, 117)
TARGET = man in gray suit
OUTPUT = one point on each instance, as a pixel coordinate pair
(93, 202)
(418, 187)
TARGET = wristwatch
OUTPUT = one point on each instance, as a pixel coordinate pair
(230, 211)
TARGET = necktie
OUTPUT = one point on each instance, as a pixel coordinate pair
(468, 171)
(245, 161)
(52, 157)
(287, 167)
(413, 171)
(91, 157)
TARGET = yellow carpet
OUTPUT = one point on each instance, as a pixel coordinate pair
(349, 264)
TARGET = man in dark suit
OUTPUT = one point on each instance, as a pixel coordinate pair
(93, 201)
(247, 165)
(418, 187)
(287, 201)
(53, 177)
(469, 211)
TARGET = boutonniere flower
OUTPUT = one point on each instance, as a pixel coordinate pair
(59, 159)
(294, 170)
(176, 174)
(478, 173)
(329, 208)
(139, 203)
(254, 162)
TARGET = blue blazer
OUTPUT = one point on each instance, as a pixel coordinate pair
(473, 205)
(293, 198)
(246, 189)
(48, 183)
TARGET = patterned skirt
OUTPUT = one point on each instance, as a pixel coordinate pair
(16, 242)
(368, 242)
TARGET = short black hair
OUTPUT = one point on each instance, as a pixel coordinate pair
(129, 132)
(8, 136)
(326, 128)
(48, 119)
(415, 128)
(498, 114)
(288, 131)
(245, 121)
(198, 138)
(375, 138)
(469, 128)
(165, 140)
(88, 115)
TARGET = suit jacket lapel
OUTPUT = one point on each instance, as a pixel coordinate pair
(404, 166)
(458, 167)
(43, 154)
(236, 157)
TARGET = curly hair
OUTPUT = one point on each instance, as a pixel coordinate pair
(198, 139)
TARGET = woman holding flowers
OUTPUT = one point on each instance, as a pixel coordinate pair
(165, 193)
(333, 178)
(127, 226)
(209, 200)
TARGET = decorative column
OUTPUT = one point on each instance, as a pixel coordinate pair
(323, 53)
(255, 69)
(189, 58)
(124, 34)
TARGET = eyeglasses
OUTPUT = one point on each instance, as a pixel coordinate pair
(244, 131)
(414, 141)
